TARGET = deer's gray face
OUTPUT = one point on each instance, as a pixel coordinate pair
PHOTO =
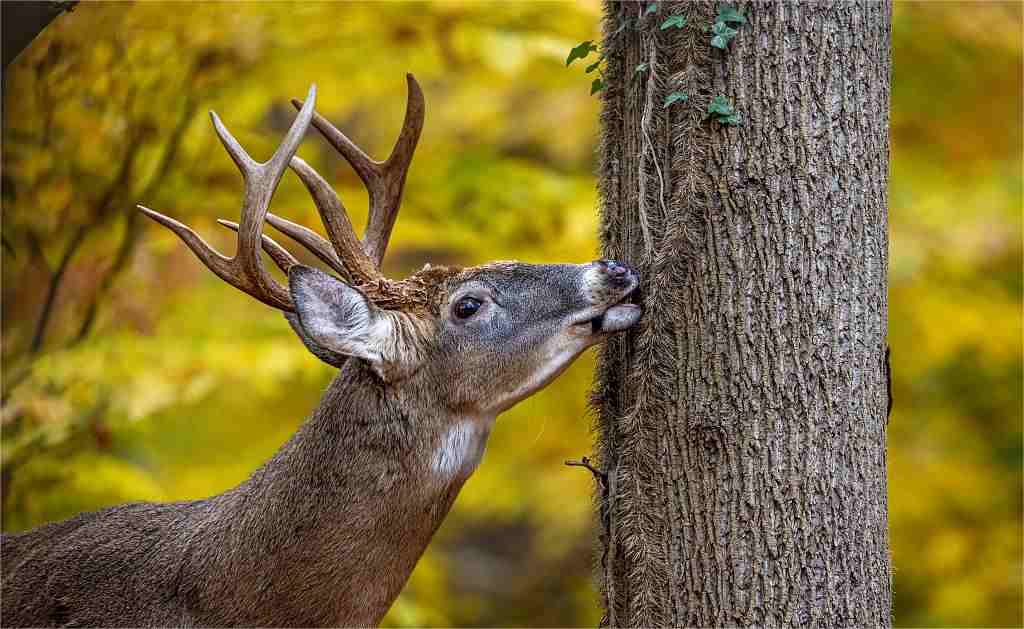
(505, 330)
(491, 336)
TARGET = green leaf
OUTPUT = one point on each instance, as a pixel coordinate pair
(720, 105)
(580, 52)
(596, 86)
(651, 8)
(677, 21)
(724, 112)
(723, 34)
(730, 14)
(675, 97)
(594, 65)
(720, 28)
(641, 68)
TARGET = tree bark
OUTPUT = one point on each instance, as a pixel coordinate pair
(742, 424)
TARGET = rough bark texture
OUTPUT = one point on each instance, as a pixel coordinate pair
(742, 426)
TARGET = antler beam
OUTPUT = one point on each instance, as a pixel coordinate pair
(245, 271)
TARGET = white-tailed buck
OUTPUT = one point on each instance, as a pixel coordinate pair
(328, 530)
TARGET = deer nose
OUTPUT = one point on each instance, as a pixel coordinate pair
(616, 272)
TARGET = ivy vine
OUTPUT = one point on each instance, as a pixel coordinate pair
(722, 32)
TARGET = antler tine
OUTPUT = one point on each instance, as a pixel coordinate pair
(219, 264)
(320, 246)
(245, 270)
(359, 267)
(385, 180)
(314, 242)
(382, 221)
(284, 260)
(261, 181)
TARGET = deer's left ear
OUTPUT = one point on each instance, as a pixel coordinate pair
(340, 319)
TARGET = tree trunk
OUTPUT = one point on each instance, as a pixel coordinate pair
(742, 425)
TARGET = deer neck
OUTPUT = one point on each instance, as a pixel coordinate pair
(331, 527)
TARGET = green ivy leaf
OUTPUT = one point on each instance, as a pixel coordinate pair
(720, 28)
(723, 35)
(651, 8)
(730, 14)
(596, 86)
(723, 112)
(675, 97)
(594, 65)
(720, 105)
(580, 52)
(677, 21)
(641, 68)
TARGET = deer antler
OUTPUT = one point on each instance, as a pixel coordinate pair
(358, 262)
(385, 180)
(245, 270)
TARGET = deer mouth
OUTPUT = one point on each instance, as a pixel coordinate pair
(620, 316)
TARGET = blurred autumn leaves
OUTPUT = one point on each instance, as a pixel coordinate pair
(955, 314)
(131, 373)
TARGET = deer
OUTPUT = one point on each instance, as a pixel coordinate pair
(327, 531)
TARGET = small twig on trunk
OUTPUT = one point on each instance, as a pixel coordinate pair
(607, 533)
(585, 462)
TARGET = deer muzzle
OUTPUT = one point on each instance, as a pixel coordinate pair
(608, 285)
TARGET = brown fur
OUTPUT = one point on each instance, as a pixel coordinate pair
(328, 530)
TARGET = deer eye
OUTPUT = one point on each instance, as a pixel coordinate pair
(466, 307)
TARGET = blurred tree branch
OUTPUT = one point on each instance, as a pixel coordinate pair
(101, 210)
(22, 21)
(132, 226)
(27, 445)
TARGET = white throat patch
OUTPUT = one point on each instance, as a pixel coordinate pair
(460, 448)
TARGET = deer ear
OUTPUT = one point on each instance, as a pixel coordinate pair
(334, 320)
(334, 359)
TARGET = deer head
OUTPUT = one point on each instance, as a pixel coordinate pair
(476, 340)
